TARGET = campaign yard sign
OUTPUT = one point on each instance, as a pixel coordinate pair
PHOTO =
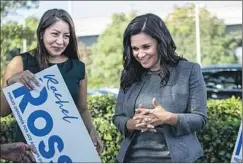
(237, 153)
(50, 121)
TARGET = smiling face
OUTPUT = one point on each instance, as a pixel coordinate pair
(145, 51)
(56, 38)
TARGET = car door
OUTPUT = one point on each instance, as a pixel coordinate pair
(223, 83)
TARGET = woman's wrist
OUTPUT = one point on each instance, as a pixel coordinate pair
(172, 119)
(130, 125)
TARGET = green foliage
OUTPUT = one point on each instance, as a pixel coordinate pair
(10, 38)
(12, 35)
(102, 111)
(7, 130)
(7, 125)
(217, 138)
(106, 59)
(9, 7)
(216, 44)
(31, 24)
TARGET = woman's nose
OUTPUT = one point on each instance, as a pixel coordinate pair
(141, 54)
(60, 40)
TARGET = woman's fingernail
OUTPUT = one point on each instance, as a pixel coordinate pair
(152, 126)
(36, 89)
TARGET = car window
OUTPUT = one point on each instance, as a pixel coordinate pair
(223, 79)
(239, 79)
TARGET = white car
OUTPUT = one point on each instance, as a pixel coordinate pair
(103, 91)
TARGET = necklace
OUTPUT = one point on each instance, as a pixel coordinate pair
(155, 72)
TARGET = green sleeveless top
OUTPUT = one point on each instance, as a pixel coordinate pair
(72, 70)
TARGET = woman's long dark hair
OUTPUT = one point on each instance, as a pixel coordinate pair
(49, 18)
(153, 26)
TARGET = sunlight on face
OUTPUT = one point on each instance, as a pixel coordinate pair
(145, 51)
(56, 38)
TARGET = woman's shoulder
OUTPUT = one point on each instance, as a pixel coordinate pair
(15, 63)
(28, 58)
(22, 58)
(77, 62)
(184, 64)
(26, 55)
(185, 68)
(78, 67)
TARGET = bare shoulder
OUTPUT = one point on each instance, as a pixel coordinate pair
(13, 67)
(16, 64)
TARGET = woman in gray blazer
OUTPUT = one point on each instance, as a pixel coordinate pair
(162, 98)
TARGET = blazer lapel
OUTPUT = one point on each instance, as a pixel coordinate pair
(132, 96)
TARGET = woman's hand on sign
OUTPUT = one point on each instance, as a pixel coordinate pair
(26, 77)
(96, 141)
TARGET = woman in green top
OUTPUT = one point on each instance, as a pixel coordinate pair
(57, 44)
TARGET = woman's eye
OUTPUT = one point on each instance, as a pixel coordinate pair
(146, 47)
(134, 48)
(55, 34)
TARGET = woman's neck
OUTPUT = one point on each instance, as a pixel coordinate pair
(156, 67)
(57, 59)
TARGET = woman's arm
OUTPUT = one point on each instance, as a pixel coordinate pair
(196, 116)
(14, 66)
(120, 120)
(86, 116)
(82, 105)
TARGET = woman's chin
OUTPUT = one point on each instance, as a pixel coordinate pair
(146, 66)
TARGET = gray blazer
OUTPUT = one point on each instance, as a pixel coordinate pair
(184, 94)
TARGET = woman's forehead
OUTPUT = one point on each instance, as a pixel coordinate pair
(60, 26)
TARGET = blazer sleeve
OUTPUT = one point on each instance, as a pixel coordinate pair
(120, 118)
(196, 115)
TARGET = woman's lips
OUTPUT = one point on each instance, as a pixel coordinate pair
(57, 48)
(144, 60)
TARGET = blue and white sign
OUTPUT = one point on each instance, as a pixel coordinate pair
(237, 153)
(50, 121)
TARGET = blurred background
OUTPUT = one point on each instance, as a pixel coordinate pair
(207, 32)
